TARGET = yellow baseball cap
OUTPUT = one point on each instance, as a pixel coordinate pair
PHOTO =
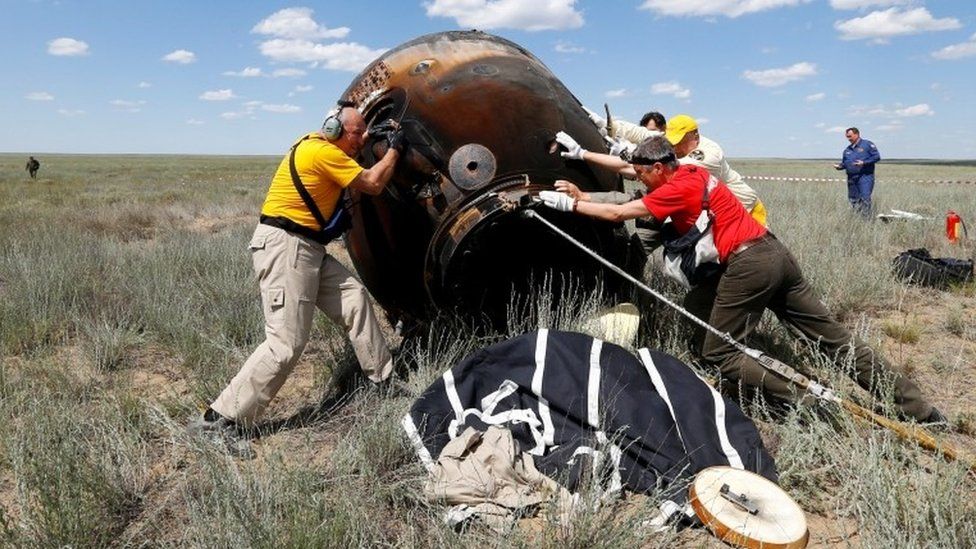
(678, 126)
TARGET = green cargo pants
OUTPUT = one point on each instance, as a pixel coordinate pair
(766, 276)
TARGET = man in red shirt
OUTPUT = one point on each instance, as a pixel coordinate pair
(760, 273)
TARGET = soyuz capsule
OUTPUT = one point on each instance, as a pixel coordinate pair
(480, 115)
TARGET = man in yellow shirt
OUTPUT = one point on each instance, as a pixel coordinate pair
(296, 274)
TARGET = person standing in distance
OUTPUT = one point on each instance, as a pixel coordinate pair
(296, 274)
(32, 166)
(858, 160)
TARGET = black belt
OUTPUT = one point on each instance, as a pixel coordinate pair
(750, 243)
(286, 224)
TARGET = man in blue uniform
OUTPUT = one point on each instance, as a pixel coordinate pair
(859, 159)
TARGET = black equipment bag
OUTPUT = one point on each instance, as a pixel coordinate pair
(919, 267)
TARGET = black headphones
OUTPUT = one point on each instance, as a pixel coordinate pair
(332, 127)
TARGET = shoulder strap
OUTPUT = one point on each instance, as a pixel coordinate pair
(302, 191)
(706, 199)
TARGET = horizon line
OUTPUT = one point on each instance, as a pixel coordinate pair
(17, 153)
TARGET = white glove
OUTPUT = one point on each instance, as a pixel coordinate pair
(598, 121)
(621, 147)
(573, 149)
(557, 200)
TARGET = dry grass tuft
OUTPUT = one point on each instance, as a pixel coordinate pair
(905, 331)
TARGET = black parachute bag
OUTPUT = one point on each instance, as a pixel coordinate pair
(917, 266)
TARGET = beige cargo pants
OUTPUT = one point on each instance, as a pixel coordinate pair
(296, 275)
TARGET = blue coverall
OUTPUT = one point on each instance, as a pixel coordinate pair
(860, 178)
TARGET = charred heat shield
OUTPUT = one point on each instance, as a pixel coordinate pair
(480, 114)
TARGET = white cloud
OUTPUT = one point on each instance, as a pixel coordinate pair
(860, 4)
(892, 126)
(622, 92)
(284, 108)
(922, 109)
(895, 111)
(246, 72)
(836, 129)
(296, 23)
(880, 26)
(300, 89)
(820, 125)
(702, 121)
(347, 56)
(815, 97)
(218, 95)
(777, 77)
(182, 57)
(129, 106)
(67, 47)
(194, 122)
(143, 85)
(957, 51)
(509, 14)
(728, 8)
(671, 88)
(39, 96)
(294, 34)
(288, 73)
(248, 108)
(860, 110)
(566, 47)
(71, 112)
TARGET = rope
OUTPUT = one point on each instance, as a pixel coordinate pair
(840, 180)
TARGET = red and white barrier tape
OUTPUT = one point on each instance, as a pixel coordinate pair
(838, 180)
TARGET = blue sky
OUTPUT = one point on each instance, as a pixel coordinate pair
(766, 78)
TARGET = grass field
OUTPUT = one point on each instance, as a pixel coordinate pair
(126, 303)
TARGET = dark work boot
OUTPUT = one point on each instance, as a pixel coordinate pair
(222, 431)
(935, 421)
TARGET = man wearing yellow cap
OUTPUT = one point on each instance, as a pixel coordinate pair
(692, 148)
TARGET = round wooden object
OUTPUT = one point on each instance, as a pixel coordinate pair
(778, 523)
